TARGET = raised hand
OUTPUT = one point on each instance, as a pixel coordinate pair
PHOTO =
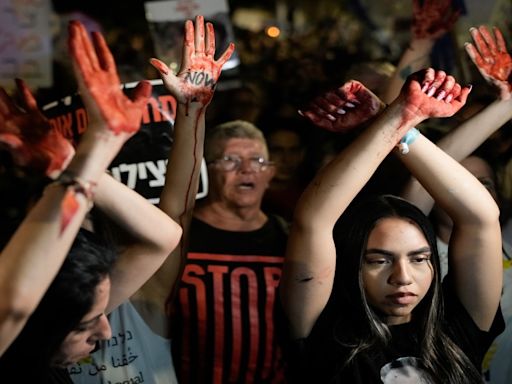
(492, 59)
(199, 71)
(99, 84)
(29, 137)
(432, 19)
(429, 93)
(344, 108)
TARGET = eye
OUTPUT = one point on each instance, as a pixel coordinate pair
(377, 260)
(420, 259)
(80, 329)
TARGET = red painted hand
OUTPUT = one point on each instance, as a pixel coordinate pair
(432, 19)
(28, 136)
(199, 71)
(429, 93)
(343, 109)
(99, 84)
(492, 59)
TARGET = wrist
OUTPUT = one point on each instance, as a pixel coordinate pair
(410, 115)
(190, 109)
(409, 138)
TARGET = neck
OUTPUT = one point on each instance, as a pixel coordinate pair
(220, 216)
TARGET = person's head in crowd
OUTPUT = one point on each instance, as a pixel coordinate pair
(365, 225)
(70, 319)
(354, 234)
(287, 151)
(238, 164)
(245, 102)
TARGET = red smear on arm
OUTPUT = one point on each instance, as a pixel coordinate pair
(69, 207)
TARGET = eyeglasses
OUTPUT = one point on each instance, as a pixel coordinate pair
(230, 163)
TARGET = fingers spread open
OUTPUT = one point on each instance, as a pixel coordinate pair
(479, 40)
(105, 58)
(28, 99)
(199, 34)
(226, 55)
(210, 40)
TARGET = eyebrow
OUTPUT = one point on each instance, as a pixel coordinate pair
(88, 322)
(388, 253)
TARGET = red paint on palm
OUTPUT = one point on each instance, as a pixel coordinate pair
(491, 58)
(199, 71)
(433, 18)
(29, 137)
(343, 109)
(100, 85)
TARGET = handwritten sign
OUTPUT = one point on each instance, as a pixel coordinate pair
(25, 42)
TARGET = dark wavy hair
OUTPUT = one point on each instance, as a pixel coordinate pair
(67, 300)
(441, 357)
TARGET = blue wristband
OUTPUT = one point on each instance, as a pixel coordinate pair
(407, 140)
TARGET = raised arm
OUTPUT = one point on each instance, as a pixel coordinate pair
(193, 87)
(495, 64)
(431, 19)
(474, 256)
(310, 260)
(119, 117)
(34, 254)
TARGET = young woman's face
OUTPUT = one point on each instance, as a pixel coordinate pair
(396, 269)
(93, 327)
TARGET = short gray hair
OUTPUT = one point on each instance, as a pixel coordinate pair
(236, 129)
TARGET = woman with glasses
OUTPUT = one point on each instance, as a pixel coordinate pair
(222, 321)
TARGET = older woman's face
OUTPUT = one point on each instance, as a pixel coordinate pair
(396, 269)
(243, 187)
(93, 327)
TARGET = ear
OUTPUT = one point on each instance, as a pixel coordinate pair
(270, 173)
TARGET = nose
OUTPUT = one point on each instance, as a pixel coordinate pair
(400, 273)
(246, 166)
(103, 330)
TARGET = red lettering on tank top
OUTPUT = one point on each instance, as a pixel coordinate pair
(218, 308)
(272, 277)
(189, 278)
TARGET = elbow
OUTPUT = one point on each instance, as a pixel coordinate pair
(172, 239)
(489, 215)
(492, 214)
(16, 307)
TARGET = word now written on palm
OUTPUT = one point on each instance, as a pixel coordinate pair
(199, 71)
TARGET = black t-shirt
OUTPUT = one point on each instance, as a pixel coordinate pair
(319, 358)
(222, 319)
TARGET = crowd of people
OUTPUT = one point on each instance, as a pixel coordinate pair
(381, 257)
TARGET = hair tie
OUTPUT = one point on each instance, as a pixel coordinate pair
(407, 140)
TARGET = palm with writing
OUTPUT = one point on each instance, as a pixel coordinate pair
(344, 108)
(432, 18)
(429, 93)
(100, 87)
(492, 59)
(199, 71)
(29, 137)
